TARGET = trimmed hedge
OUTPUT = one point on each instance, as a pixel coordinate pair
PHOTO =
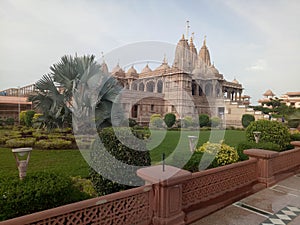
(101, 162)
(39, 191)
(53, 144)
(20, 142)
(250, 144)
(271, 131)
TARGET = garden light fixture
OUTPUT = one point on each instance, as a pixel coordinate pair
(22, 164)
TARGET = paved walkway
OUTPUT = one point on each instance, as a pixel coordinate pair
(279, 204)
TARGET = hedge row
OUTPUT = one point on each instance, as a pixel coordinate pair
(39, 191)
(59, 139)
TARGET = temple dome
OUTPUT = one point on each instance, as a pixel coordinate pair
(235, 81)
(131, 72)
(269, 93)
(117, 71)
(146, 69)
(164, 65)
(214, 69)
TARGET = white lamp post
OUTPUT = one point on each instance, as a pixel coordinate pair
(192, 142)
(257, 135)
(22, 164)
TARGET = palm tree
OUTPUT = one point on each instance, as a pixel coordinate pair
(75, 85)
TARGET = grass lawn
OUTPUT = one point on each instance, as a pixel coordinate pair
(71, 162)
(172, 145)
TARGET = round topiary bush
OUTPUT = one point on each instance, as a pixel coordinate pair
(215, 121)
(170, 119)
(271, 131)
(204, 120)
(156, 121)
(247, 119)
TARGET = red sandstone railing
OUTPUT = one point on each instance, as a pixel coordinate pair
(212, 183)
(175, 196)
(133, 206)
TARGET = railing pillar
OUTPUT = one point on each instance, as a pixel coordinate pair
(264, 165)
(167, 193)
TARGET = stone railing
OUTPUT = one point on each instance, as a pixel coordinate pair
(275, 166)
(173, 196)
(133, 206)
(204, 192)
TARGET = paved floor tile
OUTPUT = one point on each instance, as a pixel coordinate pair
(278, 205)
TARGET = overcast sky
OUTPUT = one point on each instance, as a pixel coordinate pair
(256, 42)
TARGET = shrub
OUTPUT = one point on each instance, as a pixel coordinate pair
(187, 122)
(170, 119)
(22, 117)
(261, 145)
(101, 162)
(3, 140)
(295, 137)
(84, 185)
(132, 122)
(156, 121)
(28, 118)
(215, 121)
(10, 121)
(39, 191)
(293, 123)
(193, 164)
(53, 144)
(271, 131)
(20, 142)
(204, 120)
(224, 153)
(247, 119)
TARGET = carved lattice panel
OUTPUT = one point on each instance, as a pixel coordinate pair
(285, 160)
(212, 185)
(133, 209)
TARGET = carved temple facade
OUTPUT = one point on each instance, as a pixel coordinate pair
(190, 86)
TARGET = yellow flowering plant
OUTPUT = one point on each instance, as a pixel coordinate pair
(224, 154)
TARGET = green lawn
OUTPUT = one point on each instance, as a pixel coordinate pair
(71, 162)
(171, 142)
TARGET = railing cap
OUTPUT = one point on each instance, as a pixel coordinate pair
(261, 153)
(295, 143)
(155, 174)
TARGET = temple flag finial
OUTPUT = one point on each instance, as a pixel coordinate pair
(187, 29)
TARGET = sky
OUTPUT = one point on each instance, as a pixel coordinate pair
(256, 42)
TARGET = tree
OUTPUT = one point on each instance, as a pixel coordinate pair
(247, 119)
(170, 119)
(68, 87)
